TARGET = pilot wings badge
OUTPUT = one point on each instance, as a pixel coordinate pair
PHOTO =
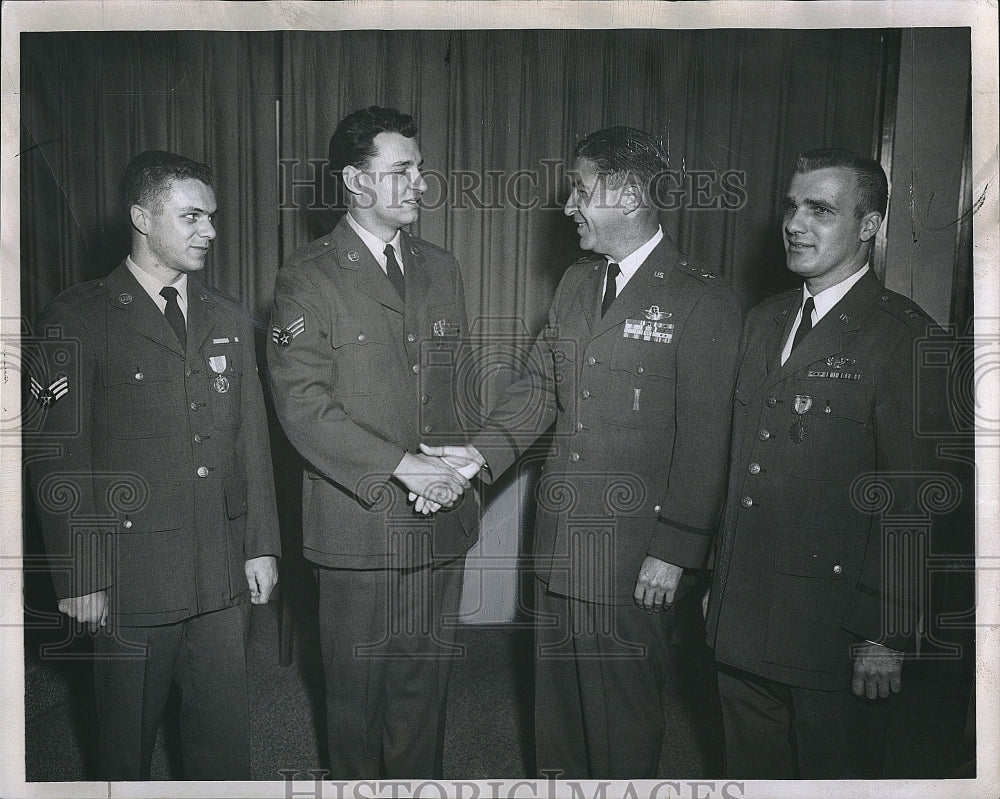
(654, 314)
(839, 363)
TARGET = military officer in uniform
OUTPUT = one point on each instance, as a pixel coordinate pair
(367, 325)
(158, 513)
(635, 369)
(809, 608)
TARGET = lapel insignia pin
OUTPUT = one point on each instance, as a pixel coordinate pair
(204, 298)
(353, 256)
(658, 274)
(55, 392)
(845, 317)
(803, 402)
(414, 250)
(654, 314)
(282, 336)
(124, 298)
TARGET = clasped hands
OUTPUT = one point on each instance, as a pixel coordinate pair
(437, 476)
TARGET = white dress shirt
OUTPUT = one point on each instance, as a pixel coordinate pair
(376, 245)
(631, 263)
(153, 286)
(824, 301)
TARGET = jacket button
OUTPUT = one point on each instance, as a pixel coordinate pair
(772, 401)
(139, 376)
(361, 337)
(747, 502)
(763, 435)
(415, 368)
(656, 509)
(640, 371)
(585, 393)
(754, 468)
(574, 456)
(579, 426)
(127, 524)
(425, 399)
(410, 337)
(203, 471)
(427, 428)
(591, 360)
(194, 406)
(197, 438)
(837, 569)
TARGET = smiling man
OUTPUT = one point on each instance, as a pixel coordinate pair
(635, 370)
(172, 531)
(809, 606)
(367, 325)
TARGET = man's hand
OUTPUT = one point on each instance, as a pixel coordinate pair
(877, 670)
(262, 576)
(465, 460)
(91, 609)
(656, 584)
(431, 478)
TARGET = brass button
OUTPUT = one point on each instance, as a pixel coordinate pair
(203, 471)
(574, 456)
(361, 337)
(139, 376)
(837, 569)
(772, 401)
(127, 524)
(754, 468)
(194, 406)
(763, 435)
(579, 426)
(415, 368)
(747, 502)
(640, 371)
(410, 337)
(656, 509)
(427, 428)
(425, 399)
(585, 393)
(591, 360)
(197, 438)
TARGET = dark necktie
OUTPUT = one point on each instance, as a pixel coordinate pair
(805, 324)
(173, 313)
(393, 272)
(611, 289)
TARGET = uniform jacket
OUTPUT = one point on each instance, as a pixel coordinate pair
(641, 439)
(359, 378)
(798, 575)
(150, 465)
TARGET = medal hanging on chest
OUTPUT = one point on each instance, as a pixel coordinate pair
(218, 364)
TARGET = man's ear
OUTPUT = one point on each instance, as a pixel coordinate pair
(870, 223)
(354, 179)
(139, 217)
(630, 199)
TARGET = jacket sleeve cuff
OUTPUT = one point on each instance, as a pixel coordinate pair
(680, 544)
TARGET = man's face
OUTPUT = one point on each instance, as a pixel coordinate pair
(824, 241)
(180, 231)
(596, 209)
(391, 185)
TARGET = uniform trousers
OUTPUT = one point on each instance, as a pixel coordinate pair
(777, 731)
(134, 668)
(600, 671)
(388, 642)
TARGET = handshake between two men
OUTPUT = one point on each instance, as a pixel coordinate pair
(437, 476)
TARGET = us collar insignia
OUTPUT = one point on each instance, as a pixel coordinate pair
(53, 393)
(654, 314)
(282, 336)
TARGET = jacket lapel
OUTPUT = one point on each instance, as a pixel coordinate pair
(649, 281)
(354, 256)
(142, 316)
(199, 320)
(415, 275)
(827, 337)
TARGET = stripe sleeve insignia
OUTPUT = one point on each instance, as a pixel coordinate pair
(282, 336)
(46, 396)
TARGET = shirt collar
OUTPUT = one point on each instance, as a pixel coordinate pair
(152, 286)
(827, 298)
(635, 259)
(374, 244)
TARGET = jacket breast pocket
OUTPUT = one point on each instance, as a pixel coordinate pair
(225, 375)
(360, 345)
(139, 399)
(830, 433)
(641, 385)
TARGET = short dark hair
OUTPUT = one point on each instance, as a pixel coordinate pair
(149, 175)
(873, 186)
(621, 154)
(352, 143)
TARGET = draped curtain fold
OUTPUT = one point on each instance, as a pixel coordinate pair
(499, 112)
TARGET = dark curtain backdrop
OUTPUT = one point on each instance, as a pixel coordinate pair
(260, 107)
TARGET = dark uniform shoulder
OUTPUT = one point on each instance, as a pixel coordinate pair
(689, 267)
(418, 246)
(79, 294)
(903, 309)
(307, 252)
